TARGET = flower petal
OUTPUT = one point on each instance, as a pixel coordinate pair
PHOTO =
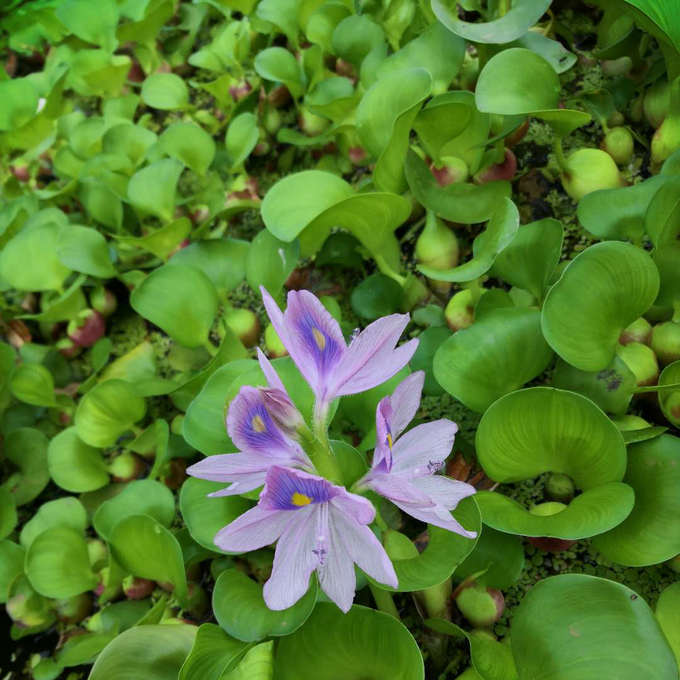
(397, 488)
(270, 374)
(295, 559)
(444, 491)
(438, 516)
(363, 547)
(422, 450)
(357, 507)
(371, 358)
(405, 401)
(254, 529)
(336, 575)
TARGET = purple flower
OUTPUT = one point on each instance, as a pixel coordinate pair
(319, 527)
(332, 368)
(404, 467)
(260, 423)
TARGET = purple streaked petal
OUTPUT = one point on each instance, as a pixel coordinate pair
(443, 490)
(270, 373)
(405, 401)
(397, 488)
(254, 529)
(362, 546)
(438, 516)
(336, 574)
(251, 427)
(228, 467)
(371, 358)
(295, 558)
(358, 508)
(290, 490)
(423, 450)
(384, 439)
(244, 485)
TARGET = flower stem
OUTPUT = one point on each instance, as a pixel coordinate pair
(319, 451)
(384, 601)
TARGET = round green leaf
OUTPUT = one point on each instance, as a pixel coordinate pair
(19, 98)
(378, 295)
(58, 564)
(145, 548)
(497, 354)
(165, 91)
(521, 16)
(651, 534)
(179, 299)
(241, 611)
(11, 565)
(152, 189)
(26, 448)
(33, 384)
(85, 250)
(279, 65)
(190, 144)
(107, 411)
(205, 516)
(363, 643)
(93, 23)
(153, 652)
(542, 429)
(578, 627)
(444, 552)
(139, 497)
(241, 138)
(517, 81)
(601, 291)
(74, 465)
(668, 615)
(62, 512)
(214, 653)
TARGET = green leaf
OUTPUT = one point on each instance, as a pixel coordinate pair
(270, 261)
(499, 232)
(667, 614)
(153, 652)
(363, 643)
(258, 664)
(378, 295)
(179, 299)
(85, 250)
(663, 213)
(190, 144)
(241, 138)
(107, 411)
(650, 534)
(165, 91)
(145, 548)
(139, 497)
(74, 465)
(93, 23)
(214, 653)
(521, 16)
(384, 119)
(497, 354)
(19, 98)
(8, 512)
(542, 429)
(668, 397)
(62, 512)
(58, 565)
(578, 627)
(279, 65)
(162, 242)
(205, 516)
(355, 37)
(152, 189)
(83, 649)
(602, 290)
(458, 202)
(444, 552)
(241, 611)
(661, 19)
(11, 566)
(129, 140)
(517, 81)
(529, 260)
(33, 384)
(443, 119)
(26, 448)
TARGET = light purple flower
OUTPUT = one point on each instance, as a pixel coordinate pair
(258, 423)
(319, 527)
(404, 467)
(332, 368)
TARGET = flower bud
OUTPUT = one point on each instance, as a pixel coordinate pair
(311, 124)
(666, 139)
(239, 90)
(272, 343)
(97, 552)
(282, 410)
(67, 348)
(450, 170)
(639, 331)
(137, 588)
(460, 311)
(499, 171)
(479, 605)
(272, 121)
(126, 467)
(588, 170)
(245, 325)
(615, 68)
(559, 487)
(73, 609)
(103, 301)
(544, 542)
(657, 102)
(437, 247)
(618, 143)
(642, 362)
(357, 155)
(26, 608)
(21, 172)
(666, 341)
(88, 327)
(671, 407)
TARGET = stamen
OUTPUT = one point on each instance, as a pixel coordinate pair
(300, 499)
(319, 338)
(258, 424)
(434, 466)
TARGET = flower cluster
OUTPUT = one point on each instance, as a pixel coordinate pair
(317, 524)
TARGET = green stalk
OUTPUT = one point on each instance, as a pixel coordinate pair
(435, 600)
(559, 153)
(319, 451)
(384, 601)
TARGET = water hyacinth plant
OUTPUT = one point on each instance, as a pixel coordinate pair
(339, 339)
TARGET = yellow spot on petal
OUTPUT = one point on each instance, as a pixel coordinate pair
(319, 338)
(389, 440)
(258, 424)
(300, 499)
